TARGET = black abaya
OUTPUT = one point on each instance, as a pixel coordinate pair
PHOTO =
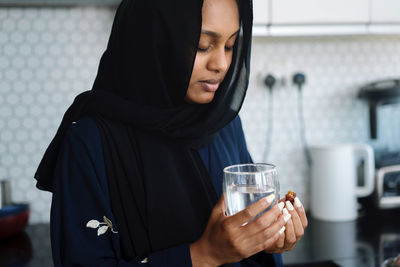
(149, 134)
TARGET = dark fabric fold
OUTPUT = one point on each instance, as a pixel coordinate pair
(159, 204)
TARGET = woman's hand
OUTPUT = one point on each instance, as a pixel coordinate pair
(294, 228)
(229, 239)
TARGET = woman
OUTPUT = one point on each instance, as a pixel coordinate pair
(136, 165)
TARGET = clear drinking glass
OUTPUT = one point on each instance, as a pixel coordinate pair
(244, 184)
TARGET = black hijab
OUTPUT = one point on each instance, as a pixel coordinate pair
(161, 194)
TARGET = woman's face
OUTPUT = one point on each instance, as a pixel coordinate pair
(219, 29)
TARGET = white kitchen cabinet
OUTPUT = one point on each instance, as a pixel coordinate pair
(261, 12)
(261, 17)
(322, 12)
(385, 11)
(325, 17)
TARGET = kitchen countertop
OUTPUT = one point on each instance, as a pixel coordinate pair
(368, 241)
(365, 242)
(31, 248)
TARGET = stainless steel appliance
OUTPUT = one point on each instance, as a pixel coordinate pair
(387, 177)
(387, 157)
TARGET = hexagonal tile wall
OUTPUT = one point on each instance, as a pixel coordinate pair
(49, 55)
(335, 68)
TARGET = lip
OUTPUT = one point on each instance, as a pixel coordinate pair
(210, 85)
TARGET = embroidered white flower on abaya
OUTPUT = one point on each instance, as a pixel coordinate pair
(103, 226)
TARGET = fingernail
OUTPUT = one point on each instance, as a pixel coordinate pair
(270, 198)
(282, 230)
(281, 205)
(286, 217)
(285, 211)
(289, 205)
(297, 202)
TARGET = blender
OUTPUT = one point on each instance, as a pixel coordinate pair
(383, 98)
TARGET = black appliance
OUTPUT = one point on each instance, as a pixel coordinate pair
(387, 161)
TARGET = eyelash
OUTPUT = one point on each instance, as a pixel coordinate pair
(201, 50)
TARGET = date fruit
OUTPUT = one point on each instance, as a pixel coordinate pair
(290, 196)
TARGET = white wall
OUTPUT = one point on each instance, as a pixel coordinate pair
(49, 55)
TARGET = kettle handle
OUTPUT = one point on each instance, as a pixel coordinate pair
(365, 152)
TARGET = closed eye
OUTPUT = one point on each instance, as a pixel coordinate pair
(203, 50)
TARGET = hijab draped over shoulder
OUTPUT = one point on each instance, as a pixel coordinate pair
(161, 194)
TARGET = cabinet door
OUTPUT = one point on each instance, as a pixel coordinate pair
(261, 12)
(319, 11)
(385, 11)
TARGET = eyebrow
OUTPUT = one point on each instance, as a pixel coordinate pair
(217, 35)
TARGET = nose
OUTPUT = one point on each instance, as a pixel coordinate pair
(219, 60)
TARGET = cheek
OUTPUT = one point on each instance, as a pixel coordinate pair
(229, 59)
(198, 67)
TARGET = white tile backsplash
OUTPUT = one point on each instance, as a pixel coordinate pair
(49, 55)
(335, 68)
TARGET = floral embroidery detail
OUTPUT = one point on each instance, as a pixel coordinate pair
(103, 229)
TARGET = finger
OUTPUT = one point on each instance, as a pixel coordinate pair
(297, 225)
(290, 235)
(255, 243)
(218, 210)
(281, 241)
(301, 212)
(251, 211)
(264, 220)
(269, 232)
(270, 242)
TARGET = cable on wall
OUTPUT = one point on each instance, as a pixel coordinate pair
(299, 79)
(269, 81)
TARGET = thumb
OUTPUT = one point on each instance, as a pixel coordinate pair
(219, 208)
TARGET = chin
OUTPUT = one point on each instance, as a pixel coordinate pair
(204, 98)
(205, 101)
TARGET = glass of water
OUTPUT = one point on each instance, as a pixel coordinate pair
(244, 184)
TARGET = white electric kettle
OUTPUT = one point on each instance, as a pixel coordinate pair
(334, 189)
